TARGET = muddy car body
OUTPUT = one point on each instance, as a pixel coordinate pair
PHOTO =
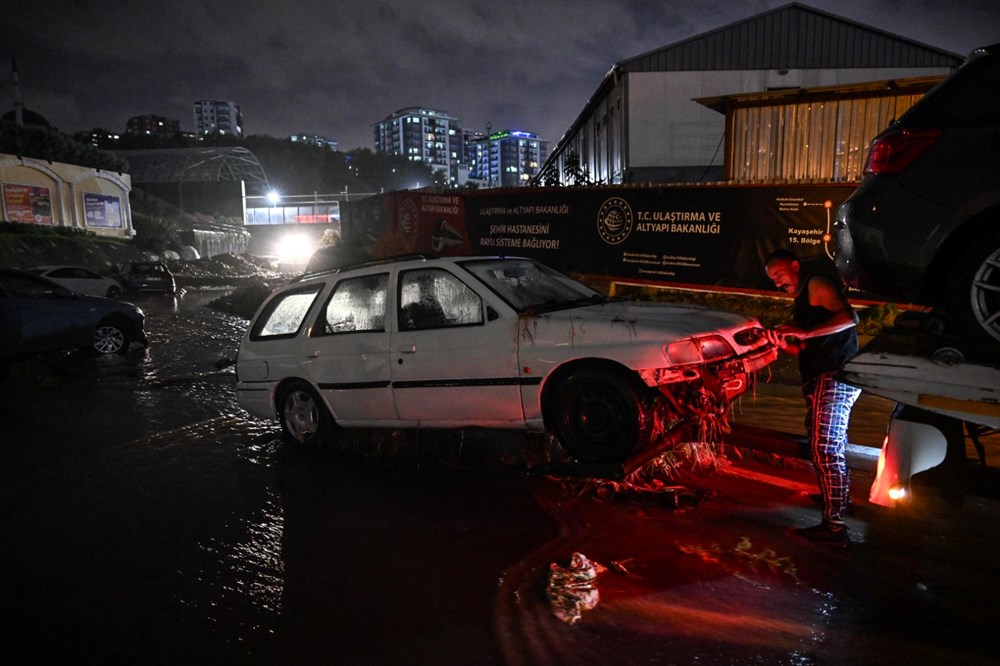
(493, 342)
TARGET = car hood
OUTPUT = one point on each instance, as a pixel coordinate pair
(655, 319)
(109, 304)
(635, 334)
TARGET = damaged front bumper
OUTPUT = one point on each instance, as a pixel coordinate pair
(731, 376)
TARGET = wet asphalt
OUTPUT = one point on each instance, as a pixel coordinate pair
(146, 519)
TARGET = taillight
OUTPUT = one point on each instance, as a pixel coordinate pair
(894, 152)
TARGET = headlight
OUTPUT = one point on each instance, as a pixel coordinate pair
(683, 352)
(699, 350)
(748, 337)
(714, 347)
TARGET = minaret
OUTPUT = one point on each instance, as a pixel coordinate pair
(18, 105)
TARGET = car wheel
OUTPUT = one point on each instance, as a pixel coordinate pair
(114, 292)
(305, 420)
(111, 338)
(974, 289)
(601, 417)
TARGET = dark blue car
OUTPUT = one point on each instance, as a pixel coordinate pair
(38, 315)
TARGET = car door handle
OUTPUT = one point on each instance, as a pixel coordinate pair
(313, 354)
(412, 349)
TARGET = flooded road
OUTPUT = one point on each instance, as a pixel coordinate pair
(147, 520)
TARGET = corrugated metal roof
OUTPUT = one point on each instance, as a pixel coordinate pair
(793, 36)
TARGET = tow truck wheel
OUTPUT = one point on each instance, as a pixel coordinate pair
(601, 417)
(305, 420)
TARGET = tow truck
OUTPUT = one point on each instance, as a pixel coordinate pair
(943, 393)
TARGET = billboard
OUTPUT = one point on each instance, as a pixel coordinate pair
(103, 211)
(27, 203)
(687, 235)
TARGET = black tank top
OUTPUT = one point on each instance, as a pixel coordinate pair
(826, 353)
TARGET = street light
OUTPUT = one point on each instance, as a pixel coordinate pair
(273, 197)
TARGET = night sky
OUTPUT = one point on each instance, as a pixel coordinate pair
(336, 68)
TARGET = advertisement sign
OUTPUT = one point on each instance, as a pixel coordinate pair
(701, 236)
(102, 210)
(27, 203)
(433, 222)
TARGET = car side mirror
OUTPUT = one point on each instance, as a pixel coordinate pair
(491, 314)
(64, 292)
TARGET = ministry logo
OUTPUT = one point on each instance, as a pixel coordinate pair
(614, 221)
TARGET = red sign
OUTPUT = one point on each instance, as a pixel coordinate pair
(27, 203)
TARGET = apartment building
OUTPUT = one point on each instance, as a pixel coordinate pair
(213, 117)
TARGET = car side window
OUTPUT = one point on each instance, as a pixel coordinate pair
(285, 313)
(433, 298)
(356, 305)
(20, 285)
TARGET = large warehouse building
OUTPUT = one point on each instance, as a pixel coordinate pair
(648, 120)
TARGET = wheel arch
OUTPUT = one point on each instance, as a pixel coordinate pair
(282, 386)
(122, 322)
(944, 261)
(556, 378)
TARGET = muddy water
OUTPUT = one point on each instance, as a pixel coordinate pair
(146, 520)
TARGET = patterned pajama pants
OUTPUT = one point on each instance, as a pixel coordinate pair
(828, 410)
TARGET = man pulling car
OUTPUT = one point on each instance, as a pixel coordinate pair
(823, 337)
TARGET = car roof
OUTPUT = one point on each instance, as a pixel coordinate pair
(51, 268)
(398, 259)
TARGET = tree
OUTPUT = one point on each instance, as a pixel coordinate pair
(365, 171)
(576, 174)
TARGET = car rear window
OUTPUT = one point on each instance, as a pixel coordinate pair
(969, 98)
(284, 314)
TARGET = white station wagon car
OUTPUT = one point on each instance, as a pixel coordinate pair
(453, 342)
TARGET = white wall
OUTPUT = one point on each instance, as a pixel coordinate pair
(67, 184)
(667, 129)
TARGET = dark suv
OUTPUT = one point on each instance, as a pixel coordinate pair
(150, 276)
(924, 225)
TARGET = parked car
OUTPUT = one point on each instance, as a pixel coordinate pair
(451, 342)
(924, 224)
(150, 276)
(80, 280)
(38, 315)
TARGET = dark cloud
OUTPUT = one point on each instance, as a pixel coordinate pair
(337, 68)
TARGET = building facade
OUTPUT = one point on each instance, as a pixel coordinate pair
(57, 194)
(314, 140)
(423, 135)
(506, 159)
(152, 126)
(644, 123)
(214, 117)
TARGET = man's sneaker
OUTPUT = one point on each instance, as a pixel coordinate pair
(827, 533)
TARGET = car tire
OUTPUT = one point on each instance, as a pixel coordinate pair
(111, 338)
(601, 416)
(973, 290)
(305, 420)
(114, 292)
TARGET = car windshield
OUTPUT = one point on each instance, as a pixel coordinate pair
(529, 286)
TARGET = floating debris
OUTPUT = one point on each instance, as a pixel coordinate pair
(572, 590)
